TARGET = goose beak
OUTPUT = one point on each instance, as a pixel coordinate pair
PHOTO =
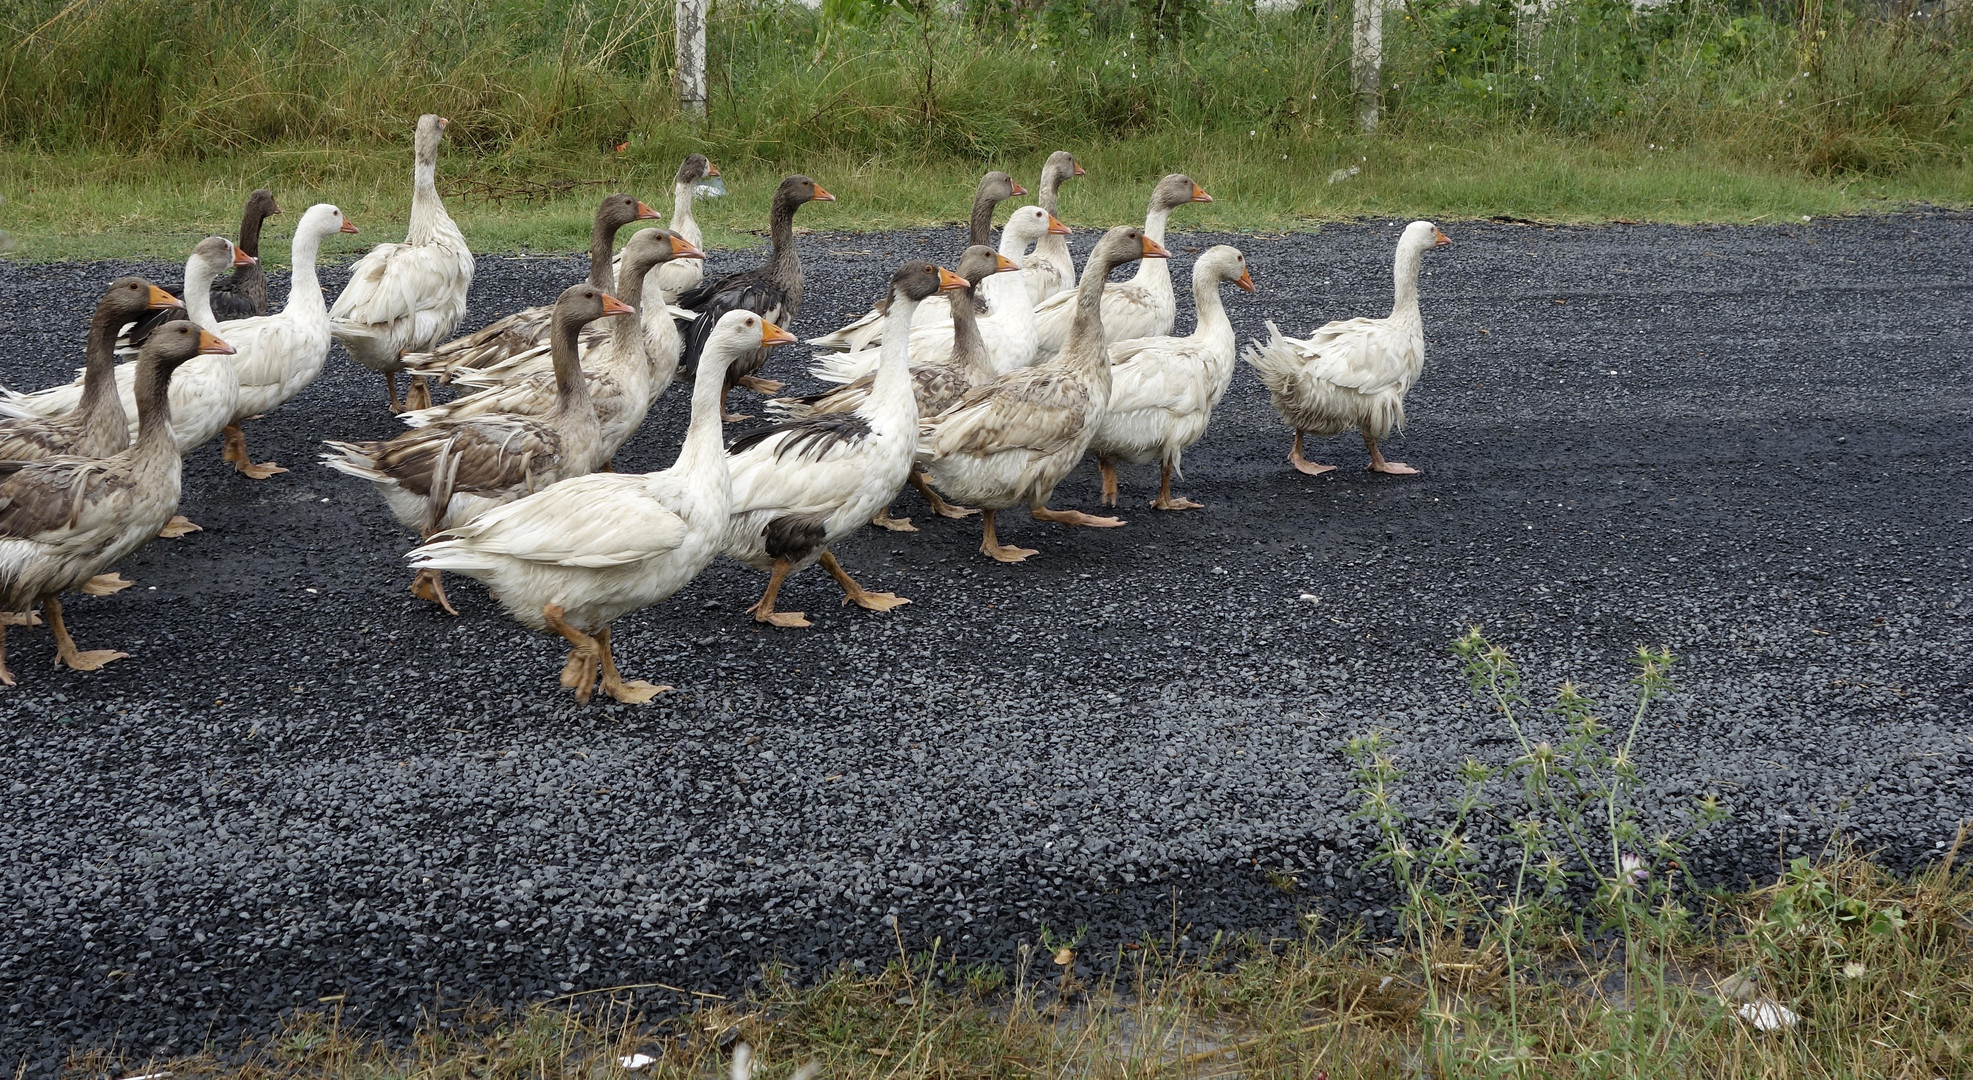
(1154, 250)
(772, 335)
(275, 209)
(949, 281)
(645, 213)
(1246, 280)
(1055, 226)
(1080, 171)
(1199, 194)
(823, 196)
(1002, 263)
(443, 123)
(682, 248)
(1019, 191)
(1439, 238)
(614, 306)
(711, 169)
(209, 344)
(241, 258)
(348, 227)
(163, 301)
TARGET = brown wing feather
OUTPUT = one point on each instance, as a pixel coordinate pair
(41, 496)
(1033, 409)
(477, 457)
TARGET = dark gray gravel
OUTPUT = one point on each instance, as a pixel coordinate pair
(1750, 444)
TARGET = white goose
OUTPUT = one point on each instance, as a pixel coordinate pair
(1051, 269)
(1144, 306)
(585, 552)
(623, 380)
(1163, 389)
(1011, 441)
(279, 355)
(1006, 330)
(406, 297)
(682, 274)
(800, 486)
(1352, 373)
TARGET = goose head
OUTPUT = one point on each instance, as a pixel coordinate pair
(1061, 166)
(1422, 236)
(1223, 262)
(1125, 244)
(618, 210)
(585, 303)
(261, 204)
(323, 219)
(798, 189)
(218, 254)
(1030, 223)
(651, 247)
(695, 168)
(980, 262)
(738, 333)
(431, 128)
(128, 298)
(1175, 191)
(917, 280)
(997, 186)
(174, 343)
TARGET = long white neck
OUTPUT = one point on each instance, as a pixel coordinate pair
(703, 456)
(1213, 325)
(1404, 280)
(427, 211)
(1155, 274)
(682, 221)
(1006, 295)
(891, 392)
(304, 291)
(198, 294)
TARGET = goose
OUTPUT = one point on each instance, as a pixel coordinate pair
(1051, 268)
(406, 297)
(279, 355)
(91, 421)
(1144, 306)
(240, 295)
(1006, 329)
(773, 291)
(936, 384)
(800, 486)
(444, 474)
(63, 520)
(1352, 373)
(867, 330)
(622, 379)
(679, 276)
(1163, 389)
(1012, 440)
(524, 329)
(574, 558)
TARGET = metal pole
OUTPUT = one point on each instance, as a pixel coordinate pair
(689, 19)
(1367, 62)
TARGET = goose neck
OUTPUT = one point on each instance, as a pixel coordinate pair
(1210, 306)
(602, 237)
(1086, 333)
(250, 223)
(304, 288)
(980, 226)
(154, 435)
(703, 450)
(571, 389)
(681, 205)
(199, 276)
(1048, 190)
(99, 360)
(1404, 281)
(967, 345)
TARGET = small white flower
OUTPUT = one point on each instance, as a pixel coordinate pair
(1853, 970)
(1632, 868)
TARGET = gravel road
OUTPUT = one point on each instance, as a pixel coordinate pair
(1749, 444)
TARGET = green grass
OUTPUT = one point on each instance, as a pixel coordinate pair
(136, 126)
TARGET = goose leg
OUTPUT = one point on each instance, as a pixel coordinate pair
(991, 544)
(178, 526)
(1377, 462)
(885, 520)
(430, 585)
(1074, 517)
(1164, 501)
(759, 385)
(584, 649)
(939, 505)
(1109, 470)
(1303, 464)
(6, 677)
(419, 396)
(235, 451)
(763, 609)
(726, 412)
(634, 692)
(857, 594)
(66, 654)
(390, 393)
(105, 584)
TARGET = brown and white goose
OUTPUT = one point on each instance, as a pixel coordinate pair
(64, 520)
(445, 474)
(241, 294)
(1144, 306)
(1051, 268)
(527, 328)
(95, 424)
(1011, 441)
(773, 291)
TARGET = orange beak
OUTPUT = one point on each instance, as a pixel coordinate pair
(162, 301)
(210, 344)
(1019, 190)
(949, 281)
(241, 258)
(1246, 280)
(823, 196)
(711, 169)
(682, 248)
(772, 335)
(1002, 263)
(1439, 238)
(1199, 194)
(1155, 250)
(348, 227)
(1055, 226)
(614, 306)
(443, 123)
(1080, 171)
(645, 213)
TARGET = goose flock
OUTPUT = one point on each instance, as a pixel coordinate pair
(982, 385)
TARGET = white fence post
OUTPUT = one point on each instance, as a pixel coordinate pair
(689, 21)
(1367, 62)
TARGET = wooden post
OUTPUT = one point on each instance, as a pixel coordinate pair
(1367, 62)
(689, 21)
